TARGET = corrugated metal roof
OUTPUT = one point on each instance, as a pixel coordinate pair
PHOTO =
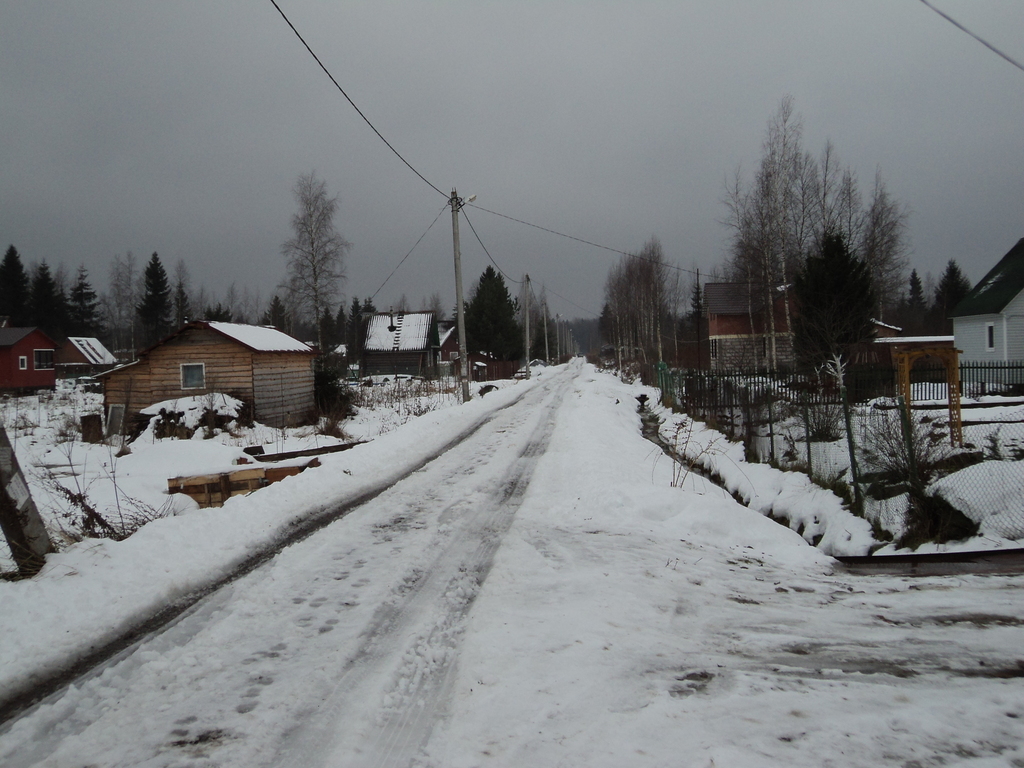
(996, 289)
(93, 350)
(260, 338)
(398, 332)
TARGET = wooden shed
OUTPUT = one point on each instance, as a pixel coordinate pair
(256, 364)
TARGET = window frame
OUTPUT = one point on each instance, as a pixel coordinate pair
(201, 367)
(990, 337)
(22, 362)
(36, 357)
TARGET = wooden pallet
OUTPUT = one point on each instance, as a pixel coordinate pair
(214, 490)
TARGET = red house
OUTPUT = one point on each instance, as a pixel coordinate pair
(26, 360)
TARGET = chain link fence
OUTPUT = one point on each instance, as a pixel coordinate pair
(900, 469)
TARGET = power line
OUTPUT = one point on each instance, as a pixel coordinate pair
(507, 277)
(342, 90)
(581, 240)
(443, 209)
(984, 42)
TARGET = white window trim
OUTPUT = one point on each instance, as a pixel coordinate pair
(990, 337)
(182, 367)
(22, 362)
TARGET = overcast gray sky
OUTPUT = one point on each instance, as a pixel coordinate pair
(181, 127)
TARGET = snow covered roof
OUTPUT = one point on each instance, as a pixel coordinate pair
(915, 340)
(92, 350)
(399, 332)
(259, 338)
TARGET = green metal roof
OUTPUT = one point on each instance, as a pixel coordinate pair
(996, 289)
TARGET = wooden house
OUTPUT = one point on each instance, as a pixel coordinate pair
(988, 324)
(26, 360)
(258, 365)
(401, 343)
(484, 366)
(739, 330)
(83, 356)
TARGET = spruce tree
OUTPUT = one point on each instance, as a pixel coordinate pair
(952, 288)
(155, 310)
(491, 319)
(83, 307)
(834, 304)
(14, 289)
(276, 314)
(47, 304)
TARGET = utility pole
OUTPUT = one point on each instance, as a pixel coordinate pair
(547, 354)
(527, 325)
(460, 310)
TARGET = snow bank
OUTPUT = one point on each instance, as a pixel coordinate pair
(817, 514)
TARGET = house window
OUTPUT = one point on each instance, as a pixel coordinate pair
(43, 359)
(990, 337)
(22, 362)
(193, 375)
(714, 347)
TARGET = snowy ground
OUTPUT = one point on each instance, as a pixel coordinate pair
(548, 592)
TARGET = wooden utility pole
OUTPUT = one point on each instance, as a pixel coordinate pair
(526, 302)
(456, 203)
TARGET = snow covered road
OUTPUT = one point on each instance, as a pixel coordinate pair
(553, 592)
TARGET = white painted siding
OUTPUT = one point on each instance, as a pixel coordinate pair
(970, 337)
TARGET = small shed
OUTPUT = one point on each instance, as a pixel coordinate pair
(82, 356)
(256, 364)
(989, 323)
(401, 343)
(26, 360)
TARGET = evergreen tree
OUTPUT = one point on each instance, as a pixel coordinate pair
(155, 309)
(834, 304)
(218, 314)
(83, 307)
(47, 304)
(914, 308)
(14, 289)
(353, 335)
(952, 288)
(276, 314)
(491, 319)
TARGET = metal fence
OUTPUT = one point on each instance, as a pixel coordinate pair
(895, 465)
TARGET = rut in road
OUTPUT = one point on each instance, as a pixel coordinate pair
(416, 640)
(352, 630)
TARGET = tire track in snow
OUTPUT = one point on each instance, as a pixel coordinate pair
(413, 642)
(45, 685)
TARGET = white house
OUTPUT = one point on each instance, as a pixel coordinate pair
(988, 325)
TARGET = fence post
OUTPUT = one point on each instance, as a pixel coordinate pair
(854, 473)
(664, 381)
(771, 428)
(908, 438)
(807, 437)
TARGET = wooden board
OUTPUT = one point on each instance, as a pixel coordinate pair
(214, 489)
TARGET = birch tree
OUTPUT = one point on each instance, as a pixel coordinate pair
(316, 251)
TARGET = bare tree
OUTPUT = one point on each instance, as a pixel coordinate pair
(119, 304)
(883, 245)
(316, 251)
(637, 304)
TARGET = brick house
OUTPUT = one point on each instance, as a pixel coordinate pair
(738, 329)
